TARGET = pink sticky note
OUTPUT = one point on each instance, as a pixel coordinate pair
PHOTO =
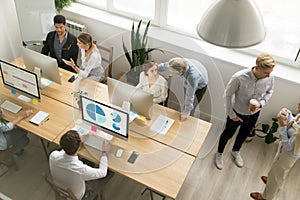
(94, 128)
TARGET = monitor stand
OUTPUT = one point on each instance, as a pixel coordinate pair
(43, 82)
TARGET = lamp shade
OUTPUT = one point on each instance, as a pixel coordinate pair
(232, 23)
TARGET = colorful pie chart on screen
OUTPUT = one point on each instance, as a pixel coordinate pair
(96, 113)
(116, 119)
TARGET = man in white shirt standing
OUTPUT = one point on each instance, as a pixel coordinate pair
(69, 172)
(250, 84)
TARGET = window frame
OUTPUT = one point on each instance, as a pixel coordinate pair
(160, 20)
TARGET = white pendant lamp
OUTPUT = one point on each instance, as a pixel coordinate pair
(232, 23)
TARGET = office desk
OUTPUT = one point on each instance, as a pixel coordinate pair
(187, 136)
(59, 118)
(63, 92)
(158, 166)
(164, 161)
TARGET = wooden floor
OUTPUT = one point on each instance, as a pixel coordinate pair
(204, 180)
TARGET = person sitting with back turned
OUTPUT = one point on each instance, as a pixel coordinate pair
(289, 129)
(61, 44)
(252, 83)
(194, 77)
(69, 172)
(90, 58)
(13, 136)
(150, 81)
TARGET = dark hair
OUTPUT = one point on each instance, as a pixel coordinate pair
(86, 39)
(70, 142)
(147, 65)
(59, 19)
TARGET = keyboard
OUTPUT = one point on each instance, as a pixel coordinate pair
(94, 141)
(10, 106)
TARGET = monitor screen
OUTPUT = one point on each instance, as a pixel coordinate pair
(19, 79)
(48, 66)
(140, 101)
(107, 118)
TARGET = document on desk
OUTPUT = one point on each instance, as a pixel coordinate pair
(39, 118)
(162, 124)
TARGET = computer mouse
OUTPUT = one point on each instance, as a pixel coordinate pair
(119, 153)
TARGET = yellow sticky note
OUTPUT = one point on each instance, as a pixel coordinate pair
(35, 101)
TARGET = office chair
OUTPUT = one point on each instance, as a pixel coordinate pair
(8, 153)
(107, 56)
(60, 193)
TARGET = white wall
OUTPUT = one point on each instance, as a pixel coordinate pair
(10, 36)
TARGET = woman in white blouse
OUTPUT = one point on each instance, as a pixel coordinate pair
(90, 59)
(150, 81)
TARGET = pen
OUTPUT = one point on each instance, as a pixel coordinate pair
(167, 121)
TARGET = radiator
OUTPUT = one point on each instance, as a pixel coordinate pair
(75, 28)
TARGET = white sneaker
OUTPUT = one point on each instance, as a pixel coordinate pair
(237, 158)
(219, 161)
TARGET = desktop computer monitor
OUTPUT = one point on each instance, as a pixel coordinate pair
(21, 80)
(107, 118)
(140, 101)
(45, 65)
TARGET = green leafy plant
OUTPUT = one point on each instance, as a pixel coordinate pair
(268, 131)
(139, 50)
(77, 94)
(60, 4)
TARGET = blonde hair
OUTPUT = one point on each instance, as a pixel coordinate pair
(265, 61)
(178, 64)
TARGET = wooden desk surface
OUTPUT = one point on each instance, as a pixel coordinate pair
(187, 136)
(63, 92)
(158, 166)
(60, 115)
(163, 162)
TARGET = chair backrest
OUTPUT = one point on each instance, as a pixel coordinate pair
(9, 153)
(107, 59)
(60, 192)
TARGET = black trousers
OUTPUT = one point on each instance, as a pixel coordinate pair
(246, 127)
(198, 96)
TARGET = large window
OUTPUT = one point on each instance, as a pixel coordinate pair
(281, 21)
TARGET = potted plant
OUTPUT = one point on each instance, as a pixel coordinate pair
(267, 131)
(139, 52)
(60, 4)
(77, 94)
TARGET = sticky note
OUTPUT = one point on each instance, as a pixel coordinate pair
(35, 101)
(94, 128)
(78, 121)
(13, 91)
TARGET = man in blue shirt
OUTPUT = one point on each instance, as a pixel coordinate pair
(194, 77)
(252, 83)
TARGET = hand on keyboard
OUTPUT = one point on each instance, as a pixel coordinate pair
(22, 116)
